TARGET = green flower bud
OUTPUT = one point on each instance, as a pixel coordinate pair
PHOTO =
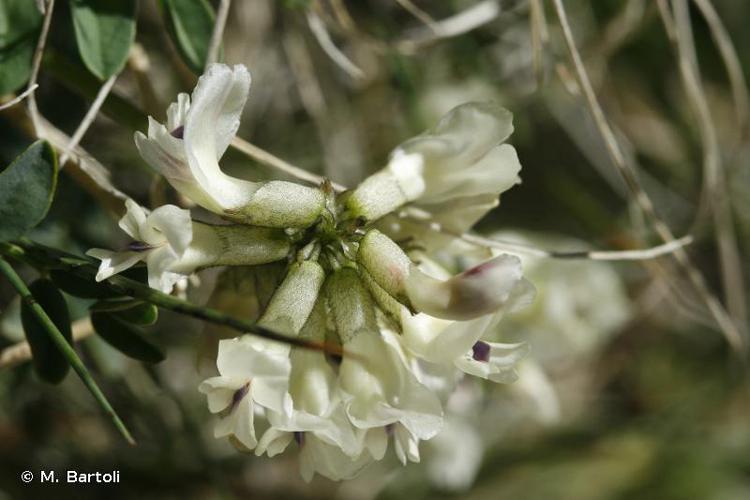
(351, 305)
(386, 263)
(293, 301)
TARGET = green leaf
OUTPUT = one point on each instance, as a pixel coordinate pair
(49, 363)
(105, 30)
(20, 23)
(191, 23)
(26, 190)
(81, 287)
(132, 311)
(125, 338)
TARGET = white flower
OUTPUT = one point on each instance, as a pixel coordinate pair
(174, 246)
(313, 388)
(480, 296)
(455, 172)
(188, 151)
(161, 238)
(374, 374)
(478, 291)
(249, 375)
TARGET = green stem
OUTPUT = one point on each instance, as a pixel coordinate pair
(65, 348)
(42, 257)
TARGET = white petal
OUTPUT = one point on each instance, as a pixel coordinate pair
(114, 262)
(174, 224)
(273, 442)
(238, 357)
(326, 460)
(159, 260)
(376, 442)
(177, 111)
(501, 366)
(461, 139)
(406, 445)
(212, 121)
(133, 219)
(272, 393)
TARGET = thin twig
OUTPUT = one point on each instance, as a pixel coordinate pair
(36, 64)
(273, 161)
(20, 97)
(21, 352)
(88, 119)
(642, 199)
(731, 61)
(218, 32)
(65, 348)
(420, 14)
(318, 29)
(458, 24)
(609, 255)
(717, 203)
(539, 38)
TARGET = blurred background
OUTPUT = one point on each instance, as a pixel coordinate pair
(630, 391)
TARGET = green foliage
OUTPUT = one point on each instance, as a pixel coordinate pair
(27, 187)
(19, 26)
(125, 337)
(105, 30)
(191, 23)
(132, 311)
(49, 363)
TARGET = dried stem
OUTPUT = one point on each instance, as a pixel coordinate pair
(218, 32)
(88, 119)
(273, 161)
(36, 64)
(715, 184)
(643, 202)
(20, 97)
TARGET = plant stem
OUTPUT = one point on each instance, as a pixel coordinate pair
(42, 257)
(65, 348)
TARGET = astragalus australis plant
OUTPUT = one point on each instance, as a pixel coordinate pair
(394, 324)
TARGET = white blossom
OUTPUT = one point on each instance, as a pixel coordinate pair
(455, 172)
(173, 246)
(248, 375)
(199, 130)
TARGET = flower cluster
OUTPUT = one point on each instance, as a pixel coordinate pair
(399, 328)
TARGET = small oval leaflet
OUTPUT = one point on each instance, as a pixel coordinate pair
(27, 187)
(105, 30)
(125, 337)
(191, 23)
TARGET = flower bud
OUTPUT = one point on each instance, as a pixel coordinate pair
(385, 262)
(351, 305)
(480, 290)
(293, 301)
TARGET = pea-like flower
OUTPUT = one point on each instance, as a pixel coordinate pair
(199, 130)
(455, 171)
(173, 246)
